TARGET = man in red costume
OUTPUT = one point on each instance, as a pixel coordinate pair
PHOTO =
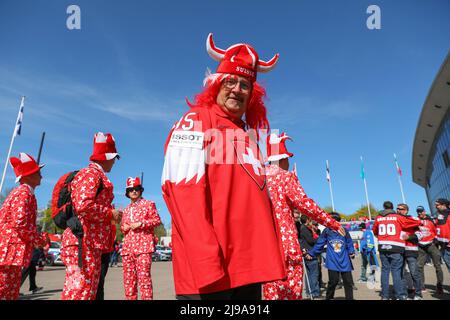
(224, 235)
(92, 196)
(18, 232)
(140, 218)
(287, 195)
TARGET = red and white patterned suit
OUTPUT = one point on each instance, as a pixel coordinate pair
(287, 194)
(18, 236)
(137, 249)
(95, 214)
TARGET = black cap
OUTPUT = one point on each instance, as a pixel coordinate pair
(420, 209)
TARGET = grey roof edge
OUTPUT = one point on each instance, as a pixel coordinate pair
(425, 136)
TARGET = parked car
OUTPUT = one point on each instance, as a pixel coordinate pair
(54, 254)
(162, 253)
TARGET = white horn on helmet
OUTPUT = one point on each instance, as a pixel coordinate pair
(214, 52)
(264, 66)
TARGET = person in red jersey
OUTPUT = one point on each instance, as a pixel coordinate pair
(18, 232)
(92, 196)
(224, 234)
(427, 247)
(412, 236)
(287, 195)
(139, 220)
(388, 227)
(443, 229)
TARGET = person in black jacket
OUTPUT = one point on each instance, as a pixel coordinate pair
(307, 242)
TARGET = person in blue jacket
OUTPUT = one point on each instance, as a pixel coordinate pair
(368, 253)
(339, 252)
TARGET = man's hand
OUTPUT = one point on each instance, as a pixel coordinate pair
(136, 225)
(341, 231)
(352, 256)
(308, 257)
(126, 227)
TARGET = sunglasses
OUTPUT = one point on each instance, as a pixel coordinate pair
(137, 189)
(400, 209)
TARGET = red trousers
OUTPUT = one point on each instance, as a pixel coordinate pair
(10, 280)
(137, 270)
(290, 289)
(81, 284)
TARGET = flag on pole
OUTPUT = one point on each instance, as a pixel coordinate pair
(399, 170)
(18, 127)
(328, 173)
(362, 174)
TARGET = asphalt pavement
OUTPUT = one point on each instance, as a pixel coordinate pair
(52, 279)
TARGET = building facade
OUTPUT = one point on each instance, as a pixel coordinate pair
(431, 151)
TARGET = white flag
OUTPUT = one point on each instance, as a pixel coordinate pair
(328, 173)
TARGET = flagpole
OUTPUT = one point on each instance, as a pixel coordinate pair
(365, 188)
(40, 147)
(329, 183)
(399, 178)
(11, 145)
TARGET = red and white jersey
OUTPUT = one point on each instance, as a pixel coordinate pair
(388, 228)
(428, 230)
(18, 233)
(140, 240)
(94, 211)
(224, 233)
(443, 227)
(413, 246)
(287, 194)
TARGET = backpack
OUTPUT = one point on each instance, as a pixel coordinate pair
(63, 213)
(62, 210)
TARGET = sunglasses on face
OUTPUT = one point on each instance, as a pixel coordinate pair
(401, 209)
(136, 189)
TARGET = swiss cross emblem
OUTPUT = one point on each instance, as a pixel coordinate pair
(250, 159)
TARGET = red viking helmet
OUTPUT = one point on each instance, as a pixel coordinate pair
(104, 147)
(240, 59)
(24, 165)
(276, 148)
(133, 182)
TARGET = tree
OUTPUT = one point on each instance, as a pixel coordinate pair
(327, 209)
(4, 195)
(160, 231)
(363, 212)
(47, 223)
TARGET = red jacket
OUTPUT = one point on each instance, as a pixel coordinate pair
(443, 227)
(18, 233)
(287, 194)
(94, 211)
(224, 234)
(428, 230)
(388, 227)
(140, 240)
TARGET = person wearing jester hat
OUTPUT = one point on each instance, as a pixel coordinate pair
(92, 196)
(18, 232)
(139, 220)
(224, 235)
(287, 195)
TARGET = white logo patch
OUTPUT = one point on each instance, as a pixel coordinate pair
(187, 139)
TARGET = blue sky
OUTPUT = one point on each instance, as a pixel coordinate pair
(340, 90)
